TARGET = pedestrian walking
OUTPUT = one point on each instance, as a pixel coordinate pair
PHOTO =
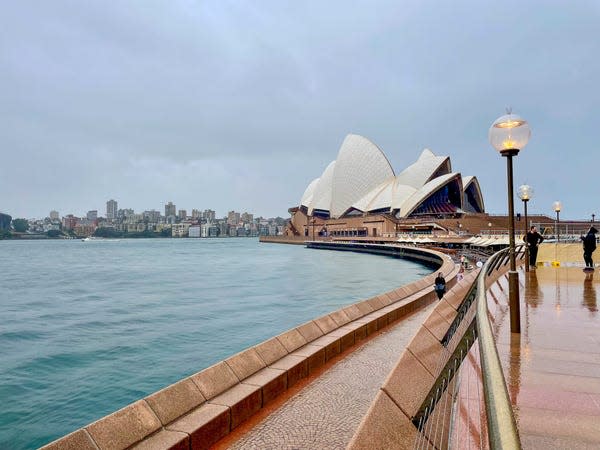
(440, 285)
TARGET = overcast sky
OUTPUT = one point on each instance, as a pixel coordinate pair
(239, 105)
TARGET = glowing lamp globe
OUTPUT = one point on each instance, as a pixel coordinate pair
(557, 206)
(509, 134)
(525, 192)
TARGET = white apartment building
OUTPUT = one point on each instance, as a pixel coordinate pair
(180, 229)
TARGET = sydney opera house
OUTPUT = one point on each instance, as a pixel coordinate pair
(359, 193)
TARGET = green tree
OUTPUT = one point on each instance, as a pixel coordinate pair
(53, 233)
(20, 225)
(5, 234)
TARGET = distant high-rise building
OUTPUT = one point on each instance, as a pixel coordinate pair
(209, 215)
(170, 209)
(233, 218)
(92, 215)
(152, 216)
(54, 215)
(125, 213)
(111, 209)
(247, 217)
(196, 214)
(182, 214)
(5, 220)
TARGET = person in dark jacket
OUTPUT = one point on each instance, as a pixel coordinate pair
(533, 239)
(440, 285)
(589, 245)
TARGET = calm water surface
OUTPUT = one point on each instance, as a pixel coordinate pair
(88, 327)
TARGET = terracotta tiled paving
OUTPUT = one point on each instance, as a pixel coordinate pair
(552, 368)
(326, 413)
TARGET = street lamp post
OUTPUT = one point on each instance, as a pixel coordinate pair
(509, 134)
(557, 206)
(525, 193)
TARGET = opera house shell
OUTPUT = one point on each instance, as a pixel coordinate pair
(361, 182)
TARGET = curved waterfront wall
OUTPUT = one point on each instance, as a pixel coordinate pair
(390, 421)
(199, 410)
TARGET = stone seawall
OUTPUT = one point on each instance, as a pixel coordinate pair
(197, 411)
(294, 240)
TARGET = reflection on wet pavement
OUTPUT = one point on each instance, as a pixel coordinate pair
(552, 369)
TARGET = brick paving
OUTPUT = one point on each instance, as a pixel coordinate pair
(326, 413)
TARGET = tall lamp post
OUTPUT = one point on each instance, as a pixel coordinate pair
(509, 134)
(525, 193)
(557, 206)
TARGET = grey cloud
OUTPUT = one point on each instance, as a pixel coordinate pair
(235, 92)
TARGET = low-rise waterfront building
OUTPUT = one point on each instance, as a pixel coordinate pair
(69, 222)
(180, 229)
(194, 231)
(84, 230)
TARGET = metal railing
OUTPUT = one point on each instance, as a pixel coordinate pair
(502, 428)
(470, 325)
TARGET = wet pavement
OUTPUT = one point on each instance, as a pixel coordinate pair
(552, 368)
(326, 413)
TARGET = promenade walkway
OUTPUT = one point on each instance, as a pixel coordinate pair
(552, 368)
(326, 412)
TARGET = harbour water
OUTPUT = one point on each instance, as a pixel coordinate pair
(89, 327)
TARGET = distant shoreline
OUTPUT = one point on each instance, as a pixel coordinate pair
(42, 237)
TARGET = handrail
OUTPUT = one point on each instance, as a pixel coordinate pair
(471, 323)
(502, 428)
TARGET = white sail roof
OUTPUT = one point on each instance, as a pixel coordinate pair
(308, 193)
(322, 194)
(419, 173)
(360, 167)
(362, 179)
(402, 192)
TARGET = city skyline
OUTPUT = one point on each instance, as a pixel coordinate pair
(103, 213)
(237, 106)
